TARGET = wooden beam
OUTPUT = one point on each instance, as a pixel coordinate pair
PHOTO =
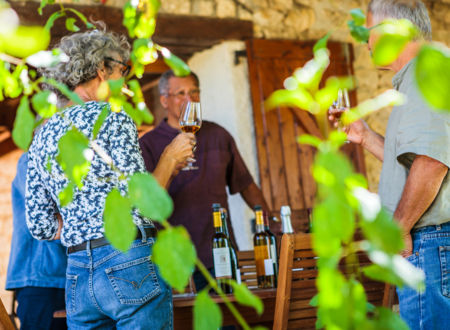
(157, 67)
(182, 34)
(6, 146)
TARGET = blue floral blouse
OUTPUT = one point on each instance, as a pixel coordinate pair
(83, 217)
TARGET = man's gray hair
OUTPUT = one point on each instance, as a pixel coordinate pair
(163, 84)
(86, 51)
(413, 10)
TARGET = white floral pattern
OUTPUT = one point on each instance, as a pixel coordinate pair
(83, 217)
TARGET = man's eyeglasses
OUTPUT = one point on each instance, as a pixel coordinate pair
(126, 68)
(195, 93)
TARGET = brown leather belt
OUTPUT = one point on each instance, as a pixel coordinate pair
(102, 241)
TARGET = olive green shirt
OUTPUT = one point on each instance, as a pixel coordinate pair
(414, 129)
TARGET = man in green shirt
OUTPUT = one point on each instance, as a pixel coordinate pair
(414, 184)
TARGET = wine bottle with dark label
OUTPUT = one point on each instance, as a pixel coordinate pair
(261, 242)
(224, 216)
(273, 245)
(224, 267)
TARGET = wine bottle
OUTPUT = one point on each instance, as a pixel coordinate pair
(273, 245)
(224, 267)
(261, 242)
(285, 214)
(224, 217)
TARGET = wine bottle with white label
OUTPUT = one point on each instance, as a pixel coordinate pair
(264, 264)
(273, 245)
(224, 267)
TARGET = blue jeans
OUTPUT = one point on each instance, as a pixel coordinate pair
(430, 309)
(108, 289)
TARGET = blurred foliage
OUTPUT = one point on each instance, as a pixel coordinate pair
(343, 202)
(433, 75)
(391, 37)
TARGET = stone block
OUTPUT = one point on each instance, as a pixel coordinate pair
(176, 7)
(300, 20)
(203, 8)
(282, 5)
(225, 8)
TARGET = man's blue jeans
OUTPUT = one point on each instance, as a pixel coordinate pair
(108, 289)
(431, 252)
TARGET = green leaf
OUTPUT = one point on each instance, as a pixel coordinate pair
(388, 98)
(44, 103)
(81, 17)
(207, 315)
(120, 229)
(72, 148)
(178, 66)
(43, 4)
(382, 274)
(358, 16)
(115, 86)
(70, 25)
(66, 195)
(149, 197)
(100, 120)
(322, 42)
(328, 94)
(383, 232)
(393, 37)
(299, 98)
(175, 256)
(65, 91)
(359, 33)
(53, 17)
(402, 268)
(245, 297)
(24, 41)
(433, 75)
(388, 320)
(310, 140)
(22, 133)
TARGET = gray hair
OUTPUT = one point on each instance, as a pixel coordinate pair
(412, 10)
(87, 51)
(163, 84)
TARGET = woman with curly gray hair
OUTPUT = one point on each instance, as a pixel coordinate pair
(105, 288)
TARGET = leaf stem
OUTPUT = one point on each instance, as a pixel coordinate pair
(227, 302)
(11, 59)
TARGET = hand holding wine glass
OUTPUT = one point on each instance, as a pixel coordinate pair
(338, 107)
(190, 122)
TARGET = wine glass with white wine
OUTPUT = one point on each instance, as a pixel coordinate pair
(190, 122)
(338, 107)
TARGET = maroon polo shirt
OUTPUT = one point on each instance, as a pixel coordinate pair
(193, 192)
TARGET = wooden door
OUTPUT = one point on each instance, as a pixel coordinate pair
(284, 164)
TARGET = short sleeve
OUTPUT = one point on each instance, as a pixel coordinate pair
(238, 175)
(422, 131)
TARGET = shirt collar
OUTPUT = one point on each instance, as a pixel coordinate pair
(400, 75)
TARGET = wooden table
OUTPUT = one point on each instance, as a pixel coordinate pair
(183, 307)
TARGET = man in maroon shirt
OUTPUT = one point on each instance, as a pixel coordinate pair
(219, 165)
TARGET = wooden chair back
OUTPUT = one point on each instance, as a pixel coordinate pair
(247, 267)
(296, 283)
(5, 321)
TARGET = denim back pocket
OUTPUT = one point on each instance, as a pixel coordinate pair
(71, 286)
(444, 256)
(134, 282)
